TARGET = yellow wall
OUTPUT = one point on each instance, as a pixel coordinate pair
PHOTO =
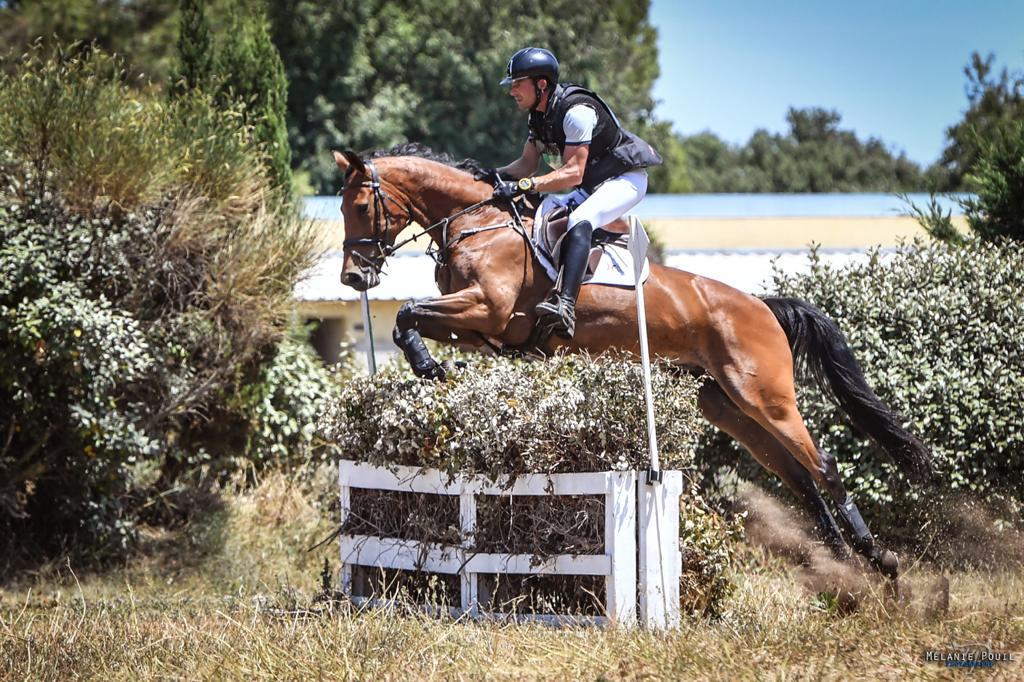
(739, 233)
(787, 233)
(342, 322)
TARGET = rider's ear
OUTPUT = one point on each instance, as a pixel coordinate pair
(347, 159)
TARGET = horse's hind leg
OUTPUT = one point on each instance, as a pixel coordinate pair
(723, 413)
(769, 398)
(882, 559)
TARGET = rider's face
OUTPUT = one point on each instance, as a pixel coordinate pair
(524, 93)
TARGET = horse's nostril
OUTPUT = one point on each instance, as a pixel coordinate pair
(351, 278)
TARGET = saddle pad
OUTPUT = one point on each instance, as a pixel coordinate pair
(614, 264)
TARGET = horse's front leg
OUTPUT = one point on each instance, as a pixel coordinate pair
(468, 310)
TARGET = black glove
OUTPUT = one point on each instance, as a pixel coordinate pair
(489, 175)
(509, 189)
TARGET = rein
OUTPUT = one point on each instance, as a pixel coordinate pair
(438, 254)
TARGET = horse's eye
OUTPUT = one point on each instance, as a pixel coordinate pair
(363, 209)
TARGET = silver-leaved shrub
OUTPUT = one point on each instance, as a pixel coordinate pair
(937, 329)
(500, 416)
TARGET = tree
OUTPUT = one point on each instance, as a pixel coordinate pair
(817, 155)
(997, 178)
(249, 70)
(994, 105)
(195, 47)
(142, 31)
(374, 73)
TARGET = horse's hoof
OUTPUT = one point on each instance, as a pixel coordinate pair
(887, 563)
(452, 366)
(431, 371)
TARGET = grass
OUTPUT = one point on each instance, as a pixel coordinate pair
(231, 598)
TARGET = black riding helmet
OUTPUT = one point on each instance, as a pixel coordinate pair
(532, 62)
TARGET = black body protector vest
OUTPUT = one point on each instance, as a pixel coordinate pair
(613, 150)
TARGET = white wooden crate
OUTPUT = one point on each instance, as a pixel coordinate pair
(633, 509)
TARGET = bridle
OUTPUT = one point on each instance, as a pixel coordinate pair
(382, 217)
(381, 214)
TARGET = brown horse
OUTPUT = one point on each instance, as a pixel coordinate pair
(490, 282)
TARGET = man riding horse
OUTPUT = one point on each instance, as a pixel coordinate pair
(490, 280)
(581, 139)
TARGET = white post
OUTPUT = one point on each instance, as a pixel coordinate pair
(371, 354)
(638, 243)
(345, 505)
(620, 546)
(469, 580)
(660, 559)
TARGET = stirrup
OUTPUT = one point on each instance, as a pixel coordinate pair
(558, 314)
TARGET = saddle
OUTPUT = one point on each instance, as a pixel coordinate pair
(549, 231)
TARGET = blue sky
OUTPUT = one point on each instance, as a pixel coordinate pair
(893, 69)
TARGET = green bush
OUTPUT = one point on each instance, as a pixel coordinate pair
(291, 396)
(147, 264)
(936, 329)
(997, 210)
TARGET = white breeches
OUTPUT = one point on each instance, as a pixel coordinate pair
(610, 200)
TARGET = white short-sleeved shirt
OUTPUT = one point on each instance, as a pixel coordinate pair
(578, 125)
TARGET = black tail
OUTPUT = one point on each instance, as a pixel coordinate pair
(820, 350)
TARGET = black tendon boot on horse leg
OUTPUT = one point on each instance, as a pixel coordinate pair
(411, 343)
(882, 560)
(558, 311)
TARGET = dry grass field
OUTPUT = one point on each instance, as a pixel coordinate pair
(231, 597)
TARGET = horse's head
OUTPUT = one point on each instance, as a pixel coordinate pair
(375, 211)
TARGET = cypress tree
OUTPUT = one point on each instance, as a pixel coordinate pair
(195, 48)
(250, 71)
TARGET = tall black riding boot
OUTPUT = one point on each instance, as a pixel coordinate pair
(559, 310)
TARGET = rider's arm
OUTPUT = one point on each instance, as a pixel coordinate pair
(568, 176)
(526, 165)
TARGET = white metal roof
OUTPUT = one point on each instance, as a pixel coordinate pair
(404, 277)
(412, 276)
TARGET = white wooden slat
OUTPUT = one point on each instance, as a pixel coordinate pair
(410, 555)
(660, 560)
(345, 505)
(556, 620)
(562, 564)
(552, 619)
(620, 545)
(469, 580)
(407, 555)
(432, 481)
(400, 478)
(590, 483)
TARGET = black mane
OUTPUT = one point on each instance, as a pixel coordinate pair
(423, 152)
